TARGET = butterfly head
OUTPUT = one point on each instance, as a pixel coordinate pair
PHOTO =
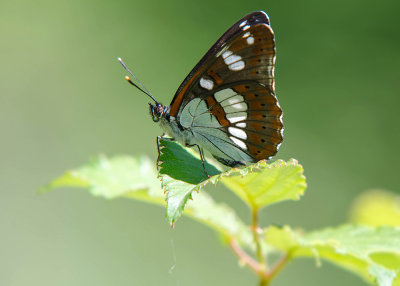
(158, 111)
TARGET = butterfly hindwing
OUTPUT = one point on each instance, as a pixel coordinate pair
(205, 128)
(251, 117)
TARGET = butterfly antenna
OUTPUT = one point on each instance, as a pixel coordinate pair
(142, 88)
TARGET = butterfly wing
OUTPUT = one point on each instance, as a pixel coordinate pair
(235, 81)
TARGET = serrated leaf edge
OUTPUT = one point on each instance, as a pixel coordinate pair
(165, 179)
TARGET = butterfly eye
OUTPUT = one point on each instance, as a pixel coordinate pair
(154, 111)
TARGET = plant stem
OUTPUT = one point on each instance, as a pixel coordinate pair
(245, 258)
(264, 275)
(259, 267)
(255, 227)
(278, 266)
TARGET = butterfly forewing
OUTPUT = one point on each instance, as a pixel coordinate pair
(250, 20)
(251, 56)
(235, 79)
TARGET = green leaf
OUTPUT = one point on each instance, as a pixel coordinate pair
(219, 217)
(181, 174)
(203, 208)
(179, 164)
(262, 184)
(178, 193)
(376, 208)
(121, 176)
(135, 178)
(372, 253)
(259, 184)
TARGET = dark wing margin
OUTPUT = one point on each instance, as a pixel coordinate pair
(258, 17)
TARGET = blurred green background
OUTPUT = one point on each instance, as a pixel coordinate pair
(63, 99)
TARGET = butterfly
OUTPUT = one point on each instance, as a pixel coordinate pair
(227, 104)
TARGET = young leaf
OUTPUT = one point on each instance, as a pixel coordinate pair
(372, 253)
(178, 194)
(376, 208)
(259, 184)
(219, 217)
(264, 184)
(176, 162)
(181, 174)
(121, 176)
(135, 178)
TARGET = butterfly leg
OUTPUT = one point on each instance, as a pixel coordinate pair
(202, 158)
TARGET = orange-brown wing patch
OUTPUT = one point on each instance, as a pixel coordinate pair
(216, 77)
(217, 110)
